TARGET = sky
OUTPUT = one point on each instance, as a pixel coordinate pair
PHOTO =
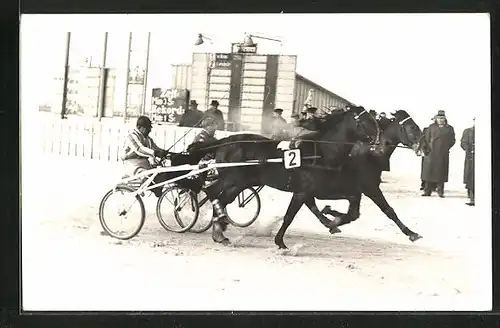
(418, 62)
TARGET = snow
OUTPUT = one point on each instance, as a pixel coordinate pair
(371, 265)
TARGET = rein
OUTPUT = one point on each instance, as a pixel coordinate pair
(271, 141)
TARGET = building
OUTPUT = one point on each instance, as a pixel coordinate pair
(113, 82)
(249, 87)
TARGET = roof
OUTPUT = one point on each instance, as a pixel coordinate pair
(319, 87)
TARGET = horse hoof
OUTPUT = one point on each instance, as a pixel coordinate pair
(414, 237)
(334, 230)
(224, 241)
(282, 247)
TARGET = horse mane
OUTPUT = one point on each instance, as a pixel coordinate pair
(330, 120)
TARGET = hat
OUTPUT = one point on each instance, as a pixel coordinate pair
(312, 110)
(372, 111)
(441, 113)
(143, 121)
(278, 110)
(193, 102)
(214, 103)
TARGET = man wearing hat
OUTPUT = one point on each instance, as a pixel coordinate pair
(295, 120)
(440, 137)
(216, 114)
(278, 125)
(311, 121)
(139, 150)
(468, 144)
(308, 127)
(192, 116)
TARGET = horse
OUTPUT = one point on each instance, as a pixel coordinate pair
(338, 133)
(361, 176)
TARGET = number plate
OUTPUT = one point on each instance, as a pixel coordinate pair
(291, 158)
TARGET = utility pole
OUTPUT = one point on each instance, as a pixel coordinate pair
(146, 69)
(127, 75)
(66, 74)
(102, 80)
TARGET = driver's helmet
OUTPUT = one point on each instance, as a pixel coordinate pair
(143, 121)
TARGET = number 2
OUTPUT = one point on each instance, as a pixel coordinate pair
(291, 158)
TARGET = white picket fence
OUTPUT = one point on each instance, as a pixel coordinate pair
(91, 139)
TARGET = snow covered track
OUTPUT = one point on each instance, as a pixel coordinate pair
(68, 265)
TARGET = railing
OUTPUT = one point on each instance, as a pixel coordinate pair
(89, 138)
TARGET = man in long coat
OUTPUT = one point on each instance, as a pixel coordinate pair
(467, 144)
(422, 185)
(441, 137)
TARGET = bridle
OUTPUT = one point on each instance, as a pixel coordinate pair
(403, 128)
(358, 123)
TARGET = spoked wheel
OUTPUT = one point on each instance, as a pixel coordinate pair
(204, 221)
(177, 209)
(122, 214)
(245, 209)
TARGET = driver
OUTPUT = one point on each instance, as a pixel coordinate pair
(139, 151)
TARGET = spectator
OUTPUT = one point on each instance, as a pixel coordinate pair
(441, 137)
(467, 143)
(192, 116)
(422, 184)
(214, 112)
(278, 125)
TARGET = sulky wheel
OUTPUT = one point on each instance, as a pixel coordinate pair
(121, 205)
(177, 209)
(245, 209)
(204, 221)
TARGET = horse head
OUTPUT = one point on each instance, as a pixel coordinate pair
(340, 131)
(402, 129)
(355, 121)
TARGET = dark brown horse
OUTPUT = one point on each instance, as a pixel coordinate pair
(338, 133)
(361, 176)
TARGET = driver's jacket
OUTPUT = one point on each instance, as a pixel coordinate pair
(137, 145)
(137, 151)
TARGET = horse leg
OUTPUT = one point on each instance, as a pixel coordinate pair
(311, 204)
(328, 210)
(375, 194)
(217, 197)
(294, 206)
(352, 212)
